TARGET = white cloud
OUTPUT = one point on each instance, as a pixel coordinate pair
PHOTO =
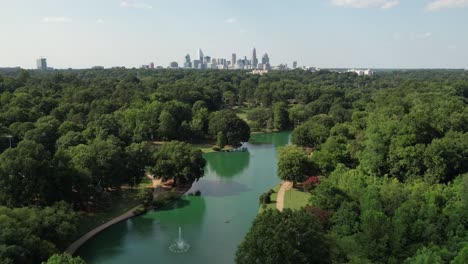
(441, 4)
(56, 19)
(231, 20)
(383, 4)
(134, 4)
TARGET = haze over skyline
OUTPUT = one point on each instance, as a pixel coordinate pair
(322, 33)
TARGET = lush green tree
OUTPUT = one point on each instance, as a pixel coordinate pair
(221, 139)
(235, 129)
(280, 116)
(293, 164)
(178, 161)
(101, 160)
(168, 126)
(199, 123)
(30, 235)
(260, 118)
(310, 134)
(284, 237)
(28, 166)
(64, 259)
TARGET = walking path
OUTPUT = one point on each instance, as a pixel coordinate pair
(78, 243)
(158, 186)
(285, 185)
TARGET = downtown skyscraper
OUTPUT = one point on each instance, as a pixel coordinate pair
(254, 61)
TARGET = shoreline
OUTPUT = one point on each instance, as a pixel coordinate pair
(157, 190)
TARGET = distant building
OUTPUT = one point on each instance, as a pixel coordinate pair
(282, 67)
(233, 60)
(367, 72)
(294, 64)
(174, 65)
(200, 56)
(265, 59)
(196, 64)
(41, 64)
(188, 62)
(151, 65)
(259, 72)
(254, 61)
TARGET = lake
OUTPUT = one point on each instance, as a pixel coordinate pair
(213, 224)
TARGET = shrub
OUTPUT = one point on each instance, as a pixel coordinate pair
(145, 196)
(216, 148)
(163, 198)
(265, 198)
(140, 210)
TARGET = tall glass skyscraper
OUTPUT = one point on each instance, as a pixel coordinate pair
(254, 60)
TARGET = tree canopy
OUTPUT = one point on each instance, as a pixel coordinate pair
(284, 237)
(178, 161)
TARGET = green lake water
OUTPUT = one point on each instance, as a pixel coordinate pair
(213, 223)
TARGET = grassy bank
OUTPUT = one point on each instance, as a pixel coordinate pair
(295, 199)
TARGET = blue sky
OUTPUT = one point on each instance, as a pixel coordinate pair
(322, 33)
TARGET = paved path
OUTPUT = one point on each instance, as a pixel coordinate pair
(159, 187)
(280, 196)
(78, 243)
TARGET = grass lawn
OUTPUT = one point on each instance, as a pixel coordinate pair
(208, 147)
(121, 203)
(271, 205)
(295, 199)
(242, 112)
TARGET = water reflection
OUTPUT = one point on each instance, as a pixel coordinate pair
(228, 164)
(219, 188)
(276, 138)
(176, 212)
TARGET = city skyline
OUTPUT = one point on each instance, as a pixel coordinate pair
(324, 33)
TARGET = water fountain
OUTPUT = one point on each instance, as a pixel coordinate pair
(179, 246)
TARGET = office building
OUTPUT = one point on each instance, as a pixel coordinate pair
(233, 60)
(254, 61)
(42, 64)
(265, 59)
(200, 56)
(188, 61)
(196, 64)
(294, 64)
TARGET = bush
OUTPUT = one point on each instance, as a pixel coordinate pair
(145, 196)
(163, 198)
(265, 198)
(216, 148)
(140, 210)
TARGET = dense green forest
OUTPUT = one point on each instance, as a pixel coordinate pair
(392, 150)
(392, 154)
